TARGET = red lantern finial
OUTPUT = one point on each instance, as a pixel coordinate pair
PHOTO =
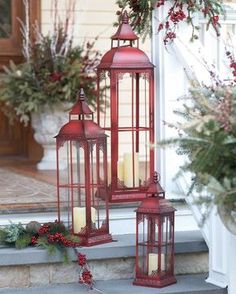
(81, 107)
(81, 94)
(125, 31)
(125, 18)
(155, 189)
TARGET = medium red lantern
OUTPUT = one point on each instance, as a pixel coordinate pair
(125, 110)
(155, 242)
(82, 176)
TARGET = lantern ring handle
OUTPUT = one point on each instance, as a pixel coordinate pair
(156, 177)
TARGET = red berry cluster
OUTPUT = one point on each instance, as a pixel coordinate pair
(177, 16)
(224, 111)
(34, 240)
(215, 20)
(174, 16)
(59, 238)
(56, 76)
(86, 277)
(233, 66)
(82, 259)
(170, 36)
(232, 62)
(44, 229)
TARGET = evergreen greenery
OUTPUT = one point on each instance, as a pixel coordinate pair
(12, 232)
(207, 138)
(52, 236)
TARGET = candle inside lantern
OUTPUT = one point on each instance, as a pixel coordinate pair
(131, 170)
(108, 173)
(79, 218)
(120, 170)
(153, 262)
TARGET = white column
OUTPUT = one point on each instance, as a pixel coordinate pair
(218, 252)
(231, 254)
(170, 84)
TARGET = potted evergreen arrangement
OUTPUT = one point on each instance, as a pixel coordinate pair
(208, 140)
(40, 88)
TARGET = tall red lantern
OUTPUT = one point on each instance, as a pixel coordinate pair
(155, 241)
(82, 176)
(125, 79)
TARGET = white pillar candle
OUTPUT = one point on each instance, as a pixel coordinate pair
(153, 262)
(120, 170)
(129, 172)
(79, 218)
(108, 173)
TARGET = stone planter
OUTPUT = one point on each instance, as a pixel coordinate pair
(46, 125)
(228, 218)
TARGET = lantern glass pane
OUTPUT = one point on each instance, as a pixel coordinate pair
(129, 130)
(71, 174)
(82, 194)
(104, 100)
(133, 129)
(104, 109)
(142, 257)
(155, 245)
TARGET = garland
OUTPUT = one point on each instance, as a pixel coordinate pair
(51, 236)
(140, 14)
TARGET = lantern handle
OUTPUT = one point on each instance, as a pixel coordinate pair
(156, 177)
(81, 94)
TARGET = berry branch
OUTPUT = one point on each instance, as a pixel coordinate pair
(140, 14)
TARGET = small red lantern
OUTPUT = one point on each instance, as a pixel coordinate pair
(125, 79)
(155, 242)
(82, 176)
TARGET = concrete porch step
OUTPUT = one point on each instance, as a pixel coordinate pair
(186, 284)
(32, 267)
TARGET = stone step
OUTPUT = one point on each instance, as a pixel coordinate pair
(32, 267)
(186, 284)
(122, 220)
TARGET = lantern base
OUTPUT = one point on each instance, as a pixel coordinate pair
(123, 195)
(95, 240)
(155, 283)
(127, 196)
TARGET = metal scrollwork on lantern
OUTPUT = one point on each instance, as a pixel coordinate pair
(125, 110)
(82, 185)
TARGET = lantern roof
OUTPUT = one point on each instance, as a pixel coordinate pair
(80, 125)
(81, 107)
(124, 31)
(155, 205)
(155, 188)
(80, 130)
(125, 56)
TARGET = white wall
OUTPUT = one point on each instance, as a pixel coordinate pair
(92, 18)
